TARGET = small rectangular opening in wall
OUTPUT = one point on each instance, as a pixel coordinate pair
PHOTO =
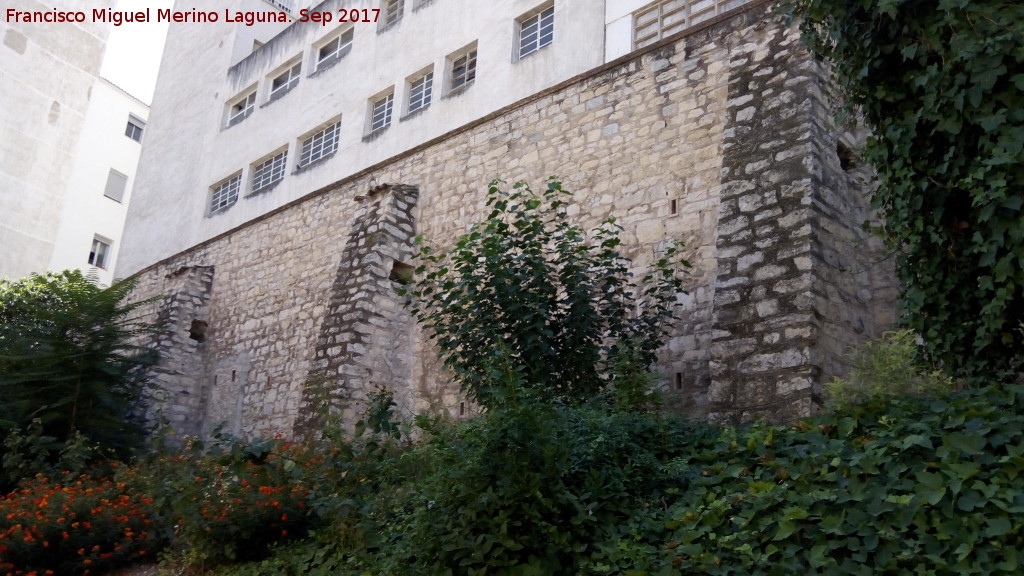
(233, 375)
(462, 408)
(401, 272)
(197, 331)
(679, 380)
(673, 207)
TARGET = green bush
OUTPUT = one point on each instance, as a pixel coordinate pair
(69, 360)
(527, 300)
(907, 486)
(226, 500)
(884, 370)
(76, 525)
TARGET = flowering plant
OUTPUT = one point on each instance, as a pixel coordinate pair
(74, 526)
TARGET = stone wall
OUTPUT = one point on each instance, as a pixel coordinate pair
(720, 138)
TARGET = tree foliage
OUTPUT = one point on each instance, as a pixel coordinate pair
(527, 300)
(69, 358)
(941, 84)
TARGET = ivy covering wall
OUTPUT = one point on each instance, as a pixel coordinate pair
(941, 84)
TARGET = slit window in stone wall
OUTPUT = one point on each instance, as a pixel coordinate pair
(320, 144)
(269, 172)
(463, 68)
(334, 49)
(664, 18)
(380, 112)
(241, 108)
(285, 81)
(420, 91)
(536, 31)
(225, 194)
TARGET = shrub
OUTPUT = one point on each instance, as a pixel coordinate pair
(68, 359)
(526, 299)
(75, 526)
(885, 370)
(228, 500)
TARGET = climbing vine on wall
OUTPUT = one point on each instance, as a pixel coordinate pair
(941, 84)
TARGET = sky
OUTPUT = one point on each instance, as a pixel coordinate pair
(133, 50)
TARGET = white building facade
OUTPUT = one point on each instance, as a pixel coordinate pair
(103, 173)
(47, 72)
(250, 118)
(69, 145)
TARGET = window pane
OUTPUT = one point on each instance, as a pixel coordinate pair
(269, 172)
(225, 194)
(382, 113)
(319, 145)
(419, 92)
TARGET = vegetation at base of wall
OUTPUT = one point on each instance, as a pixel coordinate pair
(72, 525)
(69, 362)
(910, 486)
(885, 487)
(884, 370)
(527, 299)
(941, 87)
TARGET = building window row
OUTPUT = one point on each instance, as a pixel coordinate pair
(535, 30)
(269, 170)
(283, 79)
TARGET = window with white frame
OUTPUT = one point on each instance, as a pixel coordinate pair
(285, 81)
(241, 108)
(116, 184)
(420, 91)
(320, 144)
(269, 171)
(463, 68)
(391, 12)
(536, 31)
(225, 194)
(666, 17)
(334, 49)
(99, 253)
(134, 128)
(380, 112)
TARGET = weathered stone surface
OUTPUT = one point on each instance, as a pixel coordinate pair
(729, 148)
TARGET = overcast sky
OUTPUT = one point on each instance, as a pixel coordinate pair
(133, 50)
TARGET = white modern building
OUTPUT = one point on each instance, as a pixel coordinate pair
(96, 201)
(47, 71)
(248, 118)
(69, 144)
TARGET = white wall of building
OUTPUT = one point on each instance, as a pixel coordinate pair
(190, 148)
(47, 72)
(88, 213)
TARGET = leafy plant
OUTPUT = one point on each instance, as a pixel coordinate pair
(941, 87)
(226, 500)
(885, 370)
(75, 525)
(69, 359)
(526, 297)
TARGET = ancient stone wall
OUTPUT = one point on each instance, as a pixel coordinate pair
(719, 138)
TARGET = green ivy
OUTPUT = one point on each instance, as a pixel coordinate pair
(941, 84)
